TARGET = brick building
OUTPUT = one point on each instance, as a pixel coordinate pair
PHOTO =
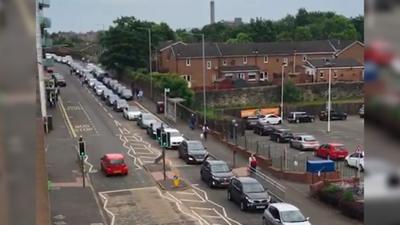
(254, 63)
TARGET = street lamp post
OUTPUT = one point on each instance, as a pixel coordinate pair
(329, 65)
(150, 61)
(166, 91)
(282, 81)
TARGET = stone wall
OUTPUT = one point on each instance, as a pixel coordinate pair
(271, 94)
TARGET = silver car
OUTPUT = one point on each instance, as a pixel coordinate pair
(304, 142)
(132, 113)
(284, 214)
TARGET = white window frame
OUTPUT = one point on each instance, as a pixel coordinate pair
(244, 59)
(321, 74)
(209, 65)
(224, 62)
(228, 75)
(285, 60)
(242, 76)
(265, 58)
(188, 62)
(252, 74)
(263, 76)
(188, 78)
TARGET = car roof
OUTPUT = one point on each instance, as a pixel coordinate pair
(247, 180)
(335, 144)
(114, 155)
(171, 130)
(214, 162)
(193, 141)
(282, 206)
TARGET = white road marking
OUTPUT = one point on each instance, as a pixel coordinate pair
(110, 115)
(60, 102)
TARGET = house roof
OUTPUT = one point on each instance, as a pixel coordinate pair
(340, 44)
(322, 63)
(196, 50)
(240, 68)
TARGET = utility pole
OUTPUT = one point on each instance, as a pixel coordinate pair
(82, 154)
(204, 79)
(166, 91)
(282, 83)
(150, 65)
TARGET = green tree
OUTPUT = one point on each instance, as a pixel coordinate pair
(291, 93)
(302, 34)
(240, 39)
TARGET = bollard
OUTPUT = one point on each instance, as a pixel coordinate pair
(176, 181)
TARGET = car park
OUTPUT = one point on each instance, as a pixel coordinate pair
(131, 112)
(304, 142)
(112, 99)
(59, 79)
(145, 119)
(127, 94)
(335, 115)
(284, 214)
(248, 193)
(355, 160)
(174, 138)
(216, 173)
(270, 118)
(120, 104)
(191, 151)
(264, 129)
(334, 151)
(300, 117)
(113, 164)
(281, 135)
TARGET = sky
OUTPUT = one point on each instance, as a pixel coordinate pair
(87, 15)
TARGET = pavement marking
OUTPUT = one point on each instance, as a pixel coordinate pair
(60, 102)
(110, 115)
(66, 123)
(88, 117)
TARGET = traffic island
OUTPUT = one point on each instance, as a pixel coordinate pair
(173, 185)
(171, 182)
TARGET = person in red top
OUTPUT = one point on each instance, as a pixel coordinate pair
(252, 163)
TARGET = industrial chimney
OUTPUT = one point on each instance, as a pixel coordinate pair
(212, 12)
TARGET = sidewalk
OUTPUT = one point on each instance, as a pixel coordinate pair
(296, 193)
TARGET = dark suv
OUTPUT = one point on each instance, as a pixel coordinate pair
(281, 135)
(300, 117)
(216, 173)
(335, 115)
(251, 121)
(248, 193)
(192, 151)
(263, 129)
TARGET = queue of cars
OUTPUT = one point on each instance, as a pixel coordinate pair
(246, 191)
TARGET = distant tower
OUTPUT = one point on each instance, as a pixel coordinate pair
(212, 12)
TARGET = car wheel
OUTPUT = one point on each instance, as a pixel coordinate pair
(346, 163)
(311, 120)
(278, 140)
(301, 148)
(229, 196)
(280, 122)
(210, 184)
(361, 167)
(291, 145)
(242, 206)
(264, 221)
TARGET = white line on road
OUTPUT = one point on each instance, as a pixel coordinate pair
(110, 115)
(60, 102)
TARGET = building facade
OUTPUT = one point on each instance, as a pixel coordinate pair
(255, 63)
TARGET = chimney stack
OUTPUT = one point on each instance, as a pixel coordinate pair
(212, 12)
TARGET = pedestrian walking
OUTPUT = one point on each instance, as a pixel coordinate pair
(57, 93)
(140, 95)
(252, 163)
(205, 131)
(192, 122)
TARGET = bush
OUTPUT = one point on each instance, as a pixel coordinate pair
(291, 93)
(331, 194)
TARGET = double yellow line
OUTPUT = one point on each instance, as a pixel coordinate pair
(64, 112)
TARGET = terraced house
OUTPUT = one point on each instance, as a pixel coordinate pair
(253, 64)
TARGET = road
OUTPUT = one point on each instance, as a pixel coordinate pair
(136, 199)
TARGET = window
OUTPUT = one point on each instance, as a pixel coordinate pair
(277, 60)
(335, 74)
(251, 76)
(265, 59)
(209, 65)
(241, 76)
(321, 74)
(188, 63)
(304, 58)
(245, 60)
(224, 63)
(188, 78)
(229, 75)
(263, 76)
(285, 60)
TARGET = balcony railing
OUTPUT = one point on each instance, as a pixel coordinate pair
(45, 22)
(44, 3)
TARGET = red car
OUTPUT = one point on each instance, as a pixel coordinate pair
(113, 163)
(334, 151)
(379, 52)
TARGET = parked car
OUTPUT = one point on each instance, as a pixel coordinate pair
(284, 214)
(356, 160)
(92, 82)
(304, 142)
(131, 112)
(115, 87)
(111, 83)
(112, 99)
(281, 135)
(106, 94)
(120, 104)
(120, 89)
(335, 115)
(270, 118)
(361, 111)
(175, 137)
(334, 151)
(152, 129)
(216, 173)
(59, 80)
(106, 81)
(192, 151)
(251, 121)
(300, 117)
(145, 119)
(264, 128)
(248, 193)
(127, 94)
(99, 88)
(113, 163)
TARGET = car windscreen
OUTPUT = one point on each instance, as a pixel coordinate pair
(253, 188)
(195, 146)
(116, 161)
(174, 134)
(309, 138)
(220, 168)
(147, 117)
(340, 147)
(292, 216)
(133, 108)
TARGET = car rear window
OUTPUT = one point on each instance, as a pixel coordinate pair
(116, 161)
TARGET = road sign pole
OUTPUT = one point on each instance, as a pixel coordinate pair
(83, 171)
(164, 172)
